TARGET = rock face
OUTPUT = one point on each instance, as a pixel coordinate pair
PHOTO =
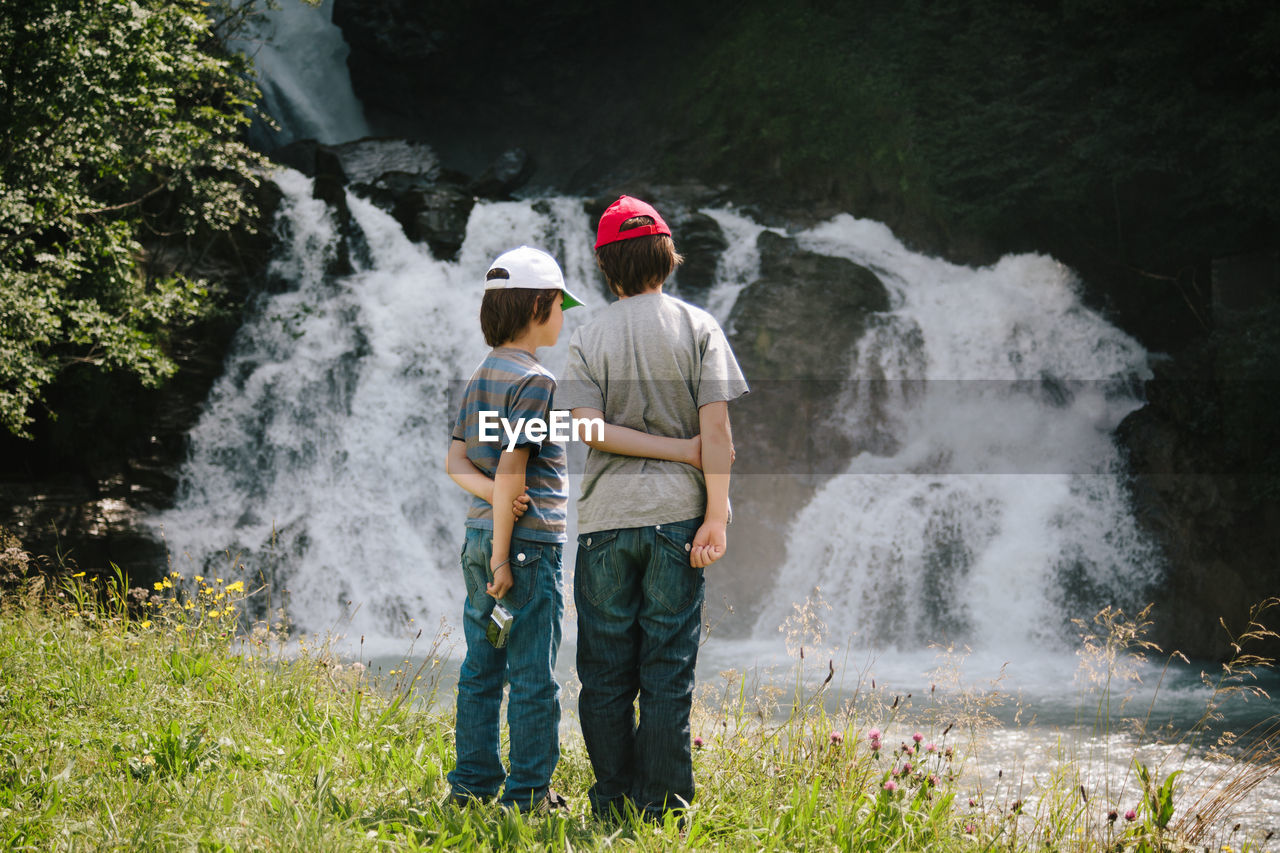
(436, 215)
(1220, 541)
(702, 241)
(794, 333)
(404, 178)
(1204, 455)
(509, 171)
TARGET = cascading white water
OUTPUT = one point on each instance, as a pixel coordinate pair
(319, 459)
(300, 58)
(999, 504)
(738, 265)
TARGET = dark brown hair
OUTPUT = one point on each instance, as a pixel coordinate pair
(633, 266)
(504, 314)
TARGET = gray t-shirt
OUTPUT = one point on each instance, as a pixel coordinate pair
(648, 362)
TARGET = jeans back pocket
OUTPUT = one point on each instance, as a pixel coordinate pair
(597, 576)
(670, 580)
(525, 559)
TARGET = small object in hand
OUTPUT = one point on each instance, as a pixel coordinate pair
(499, 626)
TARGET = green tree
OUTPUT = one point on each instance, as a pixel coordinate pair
(121, 136)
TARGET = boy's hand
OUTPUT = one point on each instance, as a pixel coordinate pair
(502, 580)
(709, 544)
(521, 504)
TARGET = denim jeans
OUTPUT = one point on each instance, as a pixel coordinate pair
(639, 619)
(527, 663)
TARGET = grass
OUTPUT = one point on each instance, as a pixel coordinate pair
(151, 720)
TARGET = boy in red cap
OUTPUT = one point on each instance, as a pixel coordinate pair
(647, 528)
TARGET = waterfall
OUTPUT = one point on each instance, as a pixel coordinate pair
(318, 462)
(997, 510)
(301, 61)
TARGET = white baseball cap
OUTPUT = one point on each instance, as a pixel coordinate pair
(531, 269)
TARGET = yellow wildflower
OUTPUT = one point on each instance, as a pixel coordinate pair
(78, 575)
(173, 574)
(219, 580)
(199, 578)
(145, 623)
(157, 585)
(238, 586)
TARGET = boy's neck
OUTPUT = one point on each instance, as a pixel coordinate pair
(523, 342)
(657, 288)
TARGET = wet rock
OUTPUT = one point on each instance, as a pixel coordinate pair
(794, 331)
(330, 177)
(438, 217)
(804, 313)
(361, 161)
(331, 187)
(391, 42)
(435, 213)
(1213, 511)
(299, 154)
(365, 160)
(72, 526)
(701, 242)
(401, 176)
(508, 172)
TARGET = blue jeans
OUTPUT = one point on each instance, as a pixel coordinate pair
(639, 619)
(527, 663)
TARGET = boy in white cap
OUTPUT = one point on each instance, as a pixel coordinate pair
(646, 528)
(514, 556)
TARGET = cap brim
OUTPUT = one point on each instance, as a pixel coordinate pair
(569, 300)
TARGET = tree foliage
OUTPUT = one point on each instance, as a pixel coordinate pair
(120, 134)
(1142, 132)
(1097, 118)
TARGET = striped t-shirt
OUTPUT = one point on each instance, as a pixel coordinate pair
(512, 384)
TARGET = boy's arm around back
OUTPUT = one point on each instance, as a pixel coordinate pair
(711, 542)
(508, 483)
(625, 441)
(471, 479)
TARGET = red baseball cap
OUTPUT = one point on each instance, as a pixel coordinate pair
(610, 230)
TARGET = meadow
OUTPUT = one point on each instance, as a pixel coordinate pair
(168, 719)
